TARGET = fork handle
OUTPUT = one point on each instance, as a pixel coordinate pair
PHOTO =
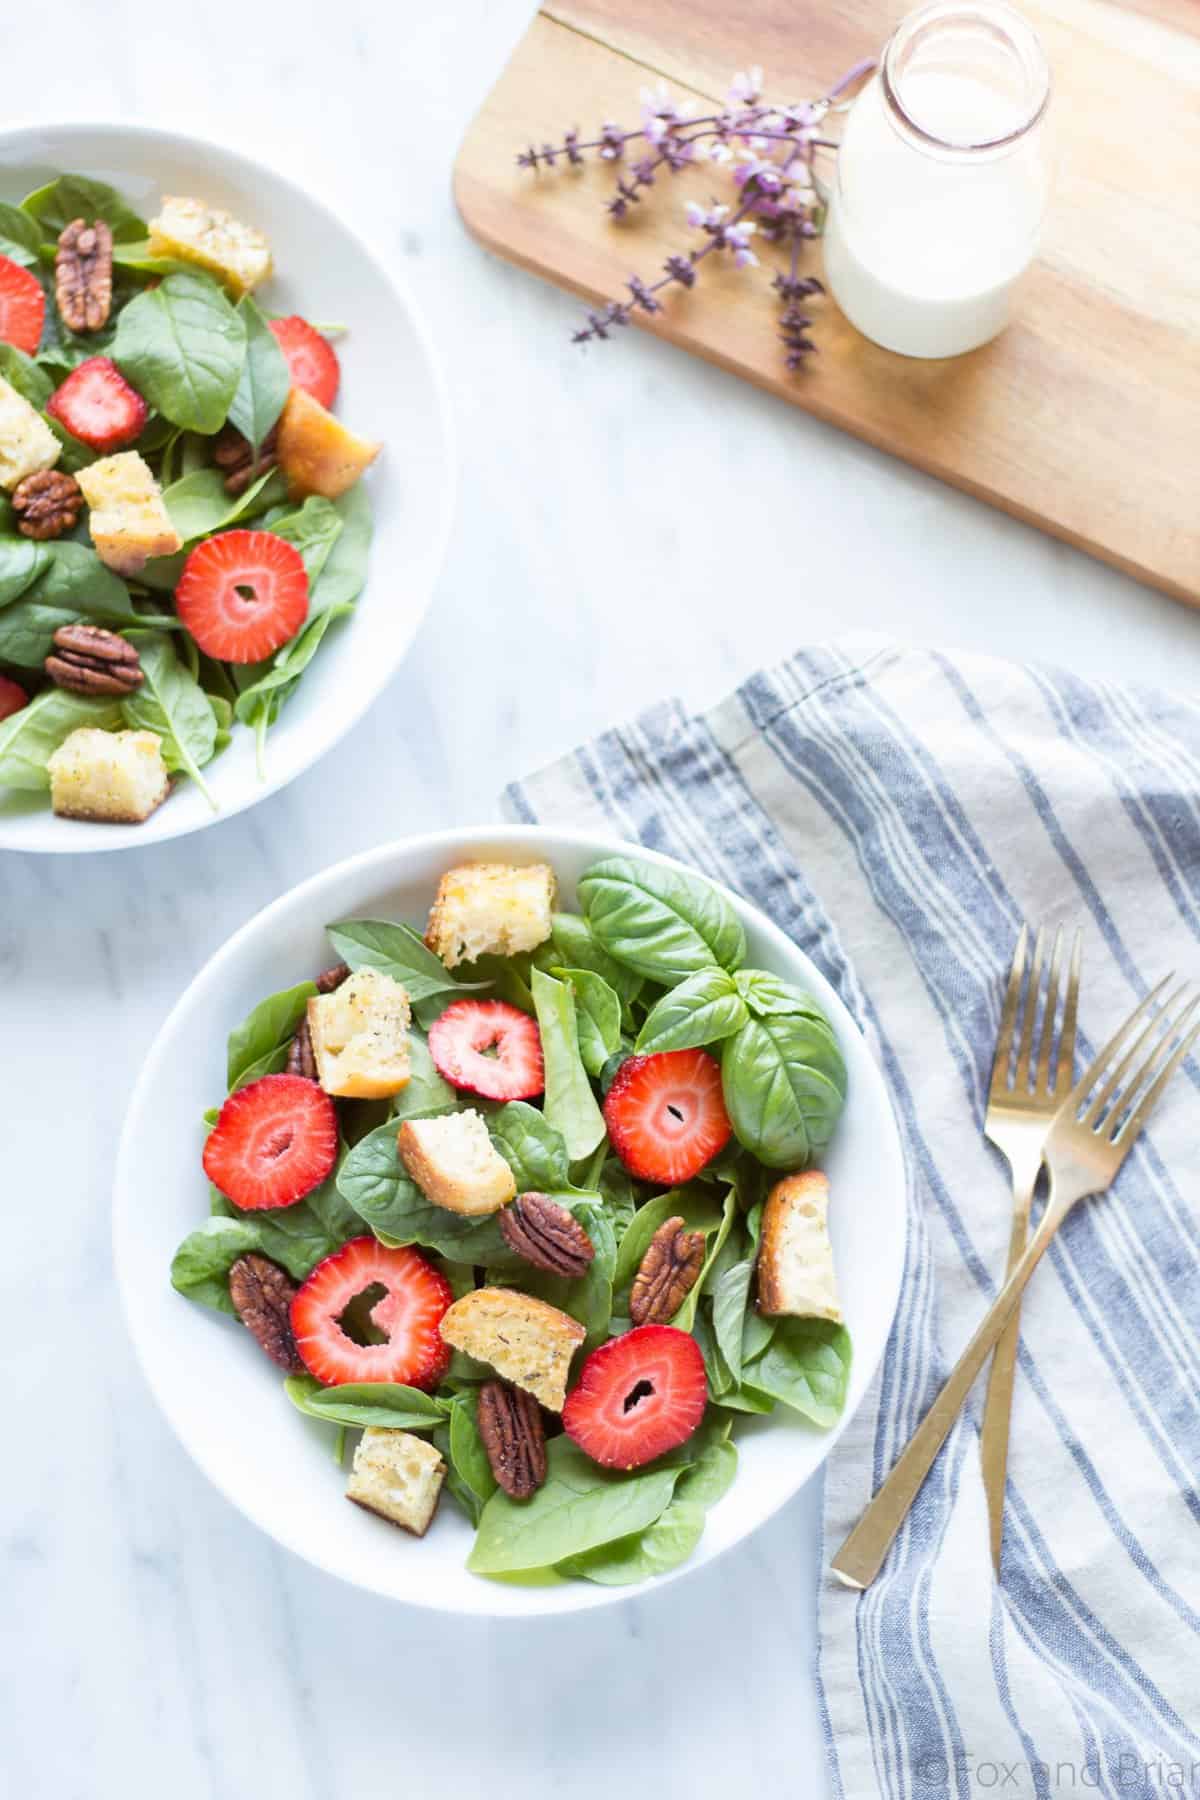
(861, 1557)
(997, 1407)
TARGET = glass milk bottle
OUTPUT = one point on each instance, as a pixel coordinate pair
(941, 180)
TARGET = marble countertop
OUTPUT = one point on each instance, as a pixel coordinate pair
(629, 524)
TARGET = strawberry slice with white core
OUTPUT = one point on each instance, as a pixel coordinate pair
(243, 595)
(666, 1115)
(98, 406)
(22, 307)
(311, 359)
(488, 1047)
(402, 1300)
(274, 1141)
(638, 1396)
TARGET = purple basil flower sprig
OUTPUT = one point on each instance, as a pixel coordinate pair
(779, 197)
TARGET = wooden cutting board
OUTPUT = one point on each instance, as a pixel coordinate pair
(1083, 417)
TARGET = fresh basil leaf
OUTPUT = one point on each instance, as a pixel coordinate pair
(182, 346)
(21, 372)
(806, 1366)
(389, 1404)
(574, 945)
(703, 1009)
(662, 924)
(200, 1267)
(578, 1507)
(766, 995)
(426, 1094)
(597, 1016)
(20, 237)
(784, 1085)
(29, 738)
(731, 1297)
(373, 1181)
(171, 702)
(398, 951)
(265, 378)
(70, 197)
(506, 976)
(533, 1148)
(569, 1104)
(268, 1028)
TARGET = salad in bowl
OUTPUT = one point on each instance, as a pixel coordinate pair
(529, 1200)
(181, 515)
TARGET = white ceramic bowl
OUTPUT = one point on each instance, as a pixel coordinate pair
(392, 388)
(222, 1396)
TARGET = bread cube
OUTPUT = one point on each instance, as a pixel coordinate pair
(128, 521)
(316, 452)
(360, 1036)
(497, 909)
(527, 1341)
(796, 1276)
(27, 443)
(397, 1475)
(193, 232)
(455, 1164)
(114, 776)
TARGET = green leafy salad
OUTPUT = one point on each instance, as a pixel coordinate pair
(181, 515)
(534, 1203)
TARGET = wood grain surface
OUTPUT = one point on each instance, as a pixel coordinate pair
(1083, 417)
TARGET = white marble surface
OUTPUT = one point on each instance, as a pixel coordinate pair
(629, 524)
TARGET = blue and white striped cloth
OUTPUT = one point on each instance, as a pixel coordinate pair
(928, 803)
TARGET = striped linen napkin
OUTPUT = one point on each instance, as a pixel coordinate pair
(899, 812)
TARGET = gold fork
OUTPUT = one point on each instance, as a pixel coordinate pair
(1083, 1152)
(1022, 1102)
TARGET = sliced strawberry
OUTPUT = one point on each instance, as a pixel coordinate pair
(243, 594)
(98, 406)
(22, 307)
(489, 1048)
(274, 1141)
(311, 359)
(665, 1114)
(12, 697)
(638, 1396)
(408, 1314)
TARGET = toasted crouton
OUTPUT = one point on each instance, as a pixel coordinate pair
(316, 452)
(116, 777)
(190, 231)
(359, 1036)
(455, 1164)
(398, 1476)
(129, 522)
(27, 443)
(496, 909)
(795, 1259)
(527, 1341)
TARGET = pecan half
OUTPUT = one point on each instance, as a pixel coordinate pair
(301, 1057)
(86, 659)
(46, 503)
(510, 1425)
(262, 1297)
(83, 275)
(666, 1274)
(546, 1235)
(329, 979)
(232, 455)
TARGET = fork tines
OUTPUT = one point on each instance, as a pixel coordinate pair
(1023, 997)
(1147, 1060)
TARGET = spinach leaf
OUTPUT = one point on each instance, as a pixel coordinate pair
(398, 951)
(685, 1317)
(588, 1297)
(268, 1029)
(68, 579)
(21, 372)
(362, 1403)
(663, 1545)
(579, 1507)
(299, 1237)
(426, 1094)
(597, 1017)
(711, 1475)
(533, 1148)
(618, 1194)
(199, 505)
(21, 562)
(182, 345)
(569, 1104)
(373, 1181)
(313, 530)
(29, 738)
(467, 1454)
(75, 578)
(663, 924)
(784, 1085)
(703, 1009)
(806, 1365)
(696, 1205)
(20, 238)
(70, 197)
(200, 1267)
(766, 994)
(731, 1297)
(345, 568)
(172, 703)
(506, 976)
(265, 379)
(258, 703)
(574, 945)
